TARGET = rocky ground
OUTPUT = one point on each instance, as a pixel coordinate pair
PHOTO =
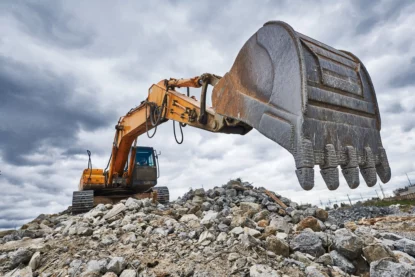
(233, 230)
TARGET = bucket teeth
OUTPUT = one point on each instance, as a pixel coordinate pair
(367, 169)
(350, 170)
(331, 177)
(383, 169)
(369, 174)
(304, 160)
(352, 177)
(305, 176)
(329, 170)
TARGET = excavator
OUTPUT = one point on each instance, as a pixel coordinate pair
(315, 101)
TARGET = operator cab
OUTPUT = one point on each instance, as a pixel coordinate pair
(146, 169)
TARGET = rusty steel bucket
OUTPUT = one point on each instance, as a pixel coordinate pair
(317, 102)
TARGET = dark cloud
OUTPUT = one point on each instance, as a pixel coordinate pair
(375, 13)
(408, 126)
(39, 107)
(405, 78)
(395, 108)
(49, 23)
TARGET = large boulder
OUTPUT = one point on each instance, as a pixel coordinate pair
(347, 243)
(34, 262)
(342, 262)
(250, 207)
(281, 225)
(307, 242)
(322, 214)
(114, 211)
(376, 252)
(402, 257)
(387, 268)
(188, 217)
(20, 256)
(278, 246)
(116, 265)
(209, 219)
(405, 245)
(309, 222)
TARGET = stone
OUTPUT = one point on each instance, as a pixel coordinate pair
(261, 215)
(376, 252)
(200, 192)
(231, 193)
(261, 270)
(405, 245)
(96, 266)
(74, 267)
(237, 231)
(325, 259)
(350, 226)
(239, 263)
(310, 212)
(281, 225)
(233, 256)
(252, 232)
(34, 262)
(282, 236)
(263, 223)
(278, 246)
(205, 206)
(110, 274)
(116, 265)
(387, 268)
(188, 217)
(273, 208)
(198, 200)
(347, 243)
(128, 273)
(309, 222)
(322, 214)
(312, 271)
(223, 227)
(242, 221)
(128, 238)
(109, 239)
(248, 241)
(296, 216)
(24, 272)
(84, 231)
(206, 236)
(114, 211)
(209, 219)
(221, 237)
(402, 257)
(133, 204)
(20, 256)
(307, 242)
(342, 262)
(389, 236)
(249, 207)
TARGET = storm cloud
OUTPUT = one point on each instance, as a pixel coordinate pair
(69, 69)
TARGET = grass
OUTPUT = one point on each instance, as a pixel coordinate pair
(406, 205)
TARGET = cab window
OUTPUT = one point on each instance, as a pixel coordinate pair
(144, 157)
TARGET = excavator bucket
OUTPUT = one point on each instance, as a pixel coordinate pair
(317, 102)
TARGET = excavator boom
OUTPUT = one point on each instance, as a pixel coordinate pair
(317, 102)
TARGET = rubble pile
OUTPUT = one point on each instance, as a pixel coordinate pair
(233, 230)
(355, 213)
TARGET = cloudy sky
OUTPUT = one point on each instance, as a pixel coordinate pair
(69, 69)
